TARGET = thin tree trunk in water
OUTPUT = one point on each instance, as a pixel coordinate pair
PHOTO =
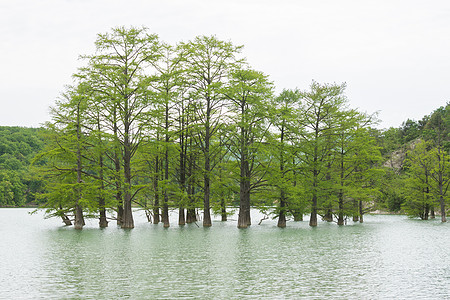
(432, 213)
(282, 214)
(223, 209)
(79, 219)
(156, 218)
(442, 203)
(206, 178)
(244, 195)
(341, 209)
(297, 213)
(191, 216)
(182, 182)
(313, 217)
(427, 206)
(361, 212)
(441, 194)
(206, 207)
(128, 221)
(165, 211)
(329, 207)
(103, 222)
(165, 214)
(181, 217)
(426, 212)
(118, 194)
(328, 215)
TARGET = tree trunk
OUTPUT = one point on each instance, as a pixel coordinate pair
(282, 214)
(66, 220)
(191, 216)
(442, 204)
(128, 221)
(341, 209)
(79, 219)
(103, 222)
(426, 212)
(181, 217)
(313, 217)
(244, 195)
(165, 211)
(118, 170)
(328, 215)
(361, 212)
(223, 209)
(206, 207)
(206, 177)
(156, 218)
(165, 215)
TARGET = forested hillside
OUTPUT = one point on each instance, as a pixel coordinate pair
(417, 163)
(18, 146)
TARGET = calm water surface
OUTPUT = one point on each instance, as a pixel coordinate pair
(387, 257)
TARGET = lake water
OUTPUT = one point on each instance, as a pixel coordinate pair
(387, 257)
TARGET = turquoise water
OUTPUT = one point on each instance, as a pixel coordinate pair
(387, 257)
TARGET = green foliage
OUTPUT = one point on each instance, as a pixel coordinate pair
(194, 126)
(18, 184)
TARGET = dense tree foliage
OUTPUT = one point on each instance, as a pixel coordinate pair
(193, 128)
(18, 185)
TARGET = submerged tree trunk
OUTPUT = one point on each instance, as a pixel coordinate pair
(103, 222)
(181, 217)
(66, 219)
(191, 216)
(117, 168)
(244, 195)
(341, 209)
(165, 214)
(165, 211)
(313, 217)
(128, 221)
(223, 209)
(361, 212)
(207, 177)
(79, 219)
(328, 215)
(156, 217)
(442, 203)
(282, 214)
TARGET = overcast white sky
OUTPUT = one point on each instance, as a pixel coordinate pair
(393, 55)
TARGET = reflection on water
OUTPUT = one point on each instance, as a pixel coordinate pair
(386, 257)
